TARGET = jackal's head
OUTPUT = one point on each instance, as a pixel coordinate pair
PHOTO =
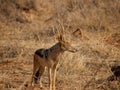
(65, 46)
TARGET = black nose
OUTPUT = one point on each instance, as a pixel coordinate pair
(76, 50)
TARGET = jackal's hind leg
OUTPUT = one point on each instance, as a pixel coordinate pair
(41, 71)
(35, 76)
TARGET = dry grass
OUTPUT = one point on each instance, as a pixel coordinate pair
(27, 26)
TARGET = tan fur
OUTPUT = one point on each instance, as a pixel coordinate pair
(51, 61)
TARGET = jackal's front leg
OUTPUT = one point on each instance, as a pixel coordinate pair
(54, 77)
(50, 78)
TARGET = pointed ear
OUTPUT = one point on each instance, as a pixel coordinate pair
(60, 37)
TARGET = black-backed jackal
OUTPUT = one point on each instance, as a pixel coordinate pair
(49, 58)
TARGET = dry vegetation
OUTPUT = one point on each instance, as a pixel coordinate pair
(92, 26)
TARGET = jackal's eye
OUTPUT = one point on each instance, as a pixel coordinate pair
(63, 45)
(67, 45)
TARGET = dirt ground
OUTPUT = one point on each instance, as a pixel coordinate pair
(16, 75)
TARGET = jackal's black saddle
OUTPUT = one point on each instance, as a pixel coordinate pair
(43, 53)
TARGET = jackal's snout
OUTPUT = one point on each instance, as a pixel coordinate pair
(72, 49)
(67, 47)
